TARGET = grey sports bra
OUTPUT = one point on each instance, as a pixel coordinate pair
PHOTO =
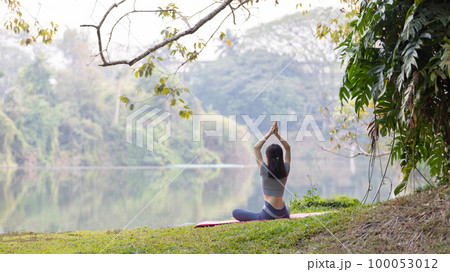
(272, 186)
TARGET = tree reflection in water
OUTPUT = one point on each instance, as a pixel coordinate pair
(63, 200)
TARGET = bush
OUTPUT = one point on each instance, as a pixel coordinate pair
(314, 201)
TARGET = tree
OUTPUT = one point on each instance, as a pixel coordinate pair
(12, 143)
(18, 23)
(397, 56)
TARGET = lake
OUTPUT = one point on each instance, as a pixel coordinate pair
(90, 198)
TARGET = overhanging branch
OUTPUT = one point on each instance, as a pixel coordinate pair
(161, 44)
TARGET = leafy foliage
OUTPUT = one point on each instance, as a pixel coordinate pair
(18, 24)
(339, 27)
(168, 85)
(397, 55)
(348, 130)
(314, 202)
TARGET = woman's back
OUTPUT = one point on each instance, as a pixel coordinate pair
(273, 186)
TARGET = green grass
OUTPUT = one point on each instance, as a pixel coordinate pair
(362, 229)
(276, 236)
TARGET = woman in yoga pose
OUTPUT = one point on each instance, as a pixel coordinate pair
(274, 175)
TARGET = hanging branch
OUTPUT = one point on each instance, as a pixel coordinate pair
(155, 47)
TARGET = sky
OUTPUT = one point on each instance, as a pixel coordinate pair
(146, 29)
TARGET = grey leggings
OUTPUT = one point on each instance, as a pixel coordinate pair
(268, 213)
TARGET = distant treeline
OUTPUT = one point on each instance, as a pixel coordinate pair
(56, 110)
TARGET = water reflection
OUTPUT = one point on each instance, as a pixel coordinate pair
(95, 199)
(52, 200)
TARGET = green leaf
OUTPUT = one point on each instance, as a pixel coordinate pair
(400, 188)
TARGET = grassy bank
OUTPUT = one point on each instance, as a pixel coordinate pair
(417, 223)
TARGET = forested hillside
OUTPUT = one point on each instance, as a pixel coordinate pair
(57, 110)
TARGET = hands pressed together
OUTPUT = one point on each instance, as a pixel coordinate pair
(274, 128)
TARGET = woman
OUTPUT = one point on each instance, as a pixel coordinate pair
(273, 178)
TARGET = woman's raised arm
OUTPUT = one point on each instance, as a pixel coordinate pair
(260, 143)
(287, 147)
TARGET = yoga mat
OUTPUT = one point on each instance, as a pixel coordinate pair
(224, 222)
